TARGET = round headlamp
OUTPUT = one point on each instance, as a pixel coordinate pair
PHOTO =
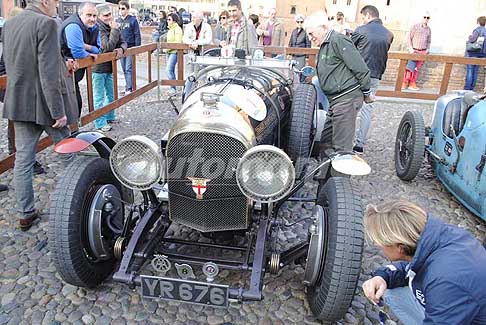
(137, 162)
(265, 174)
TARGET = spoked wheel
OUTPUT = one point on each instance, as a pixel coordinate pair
(86, 218)
(300, 135)
(335, 251)
(409, 146)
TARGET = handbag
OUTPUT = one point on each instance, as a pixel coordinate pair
(475, 46)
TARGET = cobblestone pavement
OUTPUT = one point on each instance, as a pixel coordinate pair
(31, 292)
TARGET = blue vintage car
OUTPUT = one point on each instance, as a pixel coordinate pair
(455, 145)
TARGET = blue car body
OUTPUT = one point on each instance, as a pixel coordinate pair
(457, 149)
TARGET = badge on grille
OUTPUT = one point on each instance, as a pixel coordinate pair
(161, 263)
(184, 271)
(210, 270)
(199, 186)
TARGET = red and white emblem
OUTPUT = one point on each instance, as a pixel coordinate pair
(199, 186)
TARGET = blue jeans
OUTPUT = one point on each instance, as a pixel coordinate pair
(27, 136)
(155, 36)
(126, 64)
(471, 76)
(364, 116)
(102, 96)
(404, 305)
(171, 66)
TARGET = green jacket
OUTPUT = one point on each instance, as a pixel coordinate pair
(341, 70)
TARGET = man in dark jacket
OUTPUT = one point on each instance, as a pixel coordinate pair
(131, 34)
(373, 41)
(345, 80)
(39, 95)
(111, 41)
(80, 39)
(299, 38)
(437, 275)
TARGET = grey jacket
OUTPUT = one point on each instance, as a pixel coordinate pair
(219, 34)
(39, 88)
(111, 39)
(246, 38)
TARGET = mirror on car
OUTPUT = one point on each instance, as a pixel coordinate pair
(308, 71)
(350, 164)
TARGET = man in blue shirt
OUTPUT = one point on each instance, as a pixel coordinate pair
(131, 34)
(80, 39)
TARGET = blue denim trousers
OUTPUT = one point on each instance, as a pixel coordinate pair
(155, 36)
(102, 96)
(126, 64)
(27, 136)
(171, 66)
(472, 72)
(404, 305)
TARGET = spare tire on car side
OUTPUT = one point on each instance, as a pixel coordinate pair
(300, 127)
(409, 146)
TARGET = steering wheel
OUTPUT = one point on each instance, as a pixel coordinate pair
(215, 51)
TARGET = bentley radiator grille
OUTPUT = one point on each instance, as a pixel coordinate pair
(203, 193)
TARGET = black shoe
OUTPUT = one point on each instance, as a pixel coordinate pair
(38, 169)
(3, 187)
(358, 149)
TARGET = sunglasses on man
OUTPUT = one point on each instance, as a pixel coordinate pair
(426, 17)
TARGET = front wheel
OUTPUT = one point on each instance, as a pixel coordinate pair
(86, 217)
(332, 291)
(409, 146)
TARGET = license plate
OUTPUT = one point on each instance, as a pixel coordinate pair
(194, 292)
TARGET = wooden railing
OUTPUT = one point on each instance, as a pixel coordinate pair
(7, 163)
(92, 114)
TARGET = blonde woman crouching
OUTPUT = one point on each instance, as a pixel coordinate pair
(438, 271)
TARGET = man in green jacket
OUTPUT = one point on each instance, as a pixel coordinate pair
(344, 78)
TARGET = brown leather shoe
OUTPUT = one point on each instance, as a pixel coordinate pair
(25, 224)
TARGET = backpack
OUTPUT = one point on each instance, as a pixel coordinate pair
(186, 17)
(477, 46)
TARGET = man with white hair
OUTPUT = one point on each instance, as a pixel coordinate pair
(344, 78)
(197, 33)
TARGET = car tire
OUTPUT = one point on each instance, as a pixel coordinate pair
(331, 295)
(68, 239)
(409, 146)
(298, 142)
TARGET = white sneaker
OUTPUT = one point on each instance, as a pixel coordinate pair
(106, 128)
